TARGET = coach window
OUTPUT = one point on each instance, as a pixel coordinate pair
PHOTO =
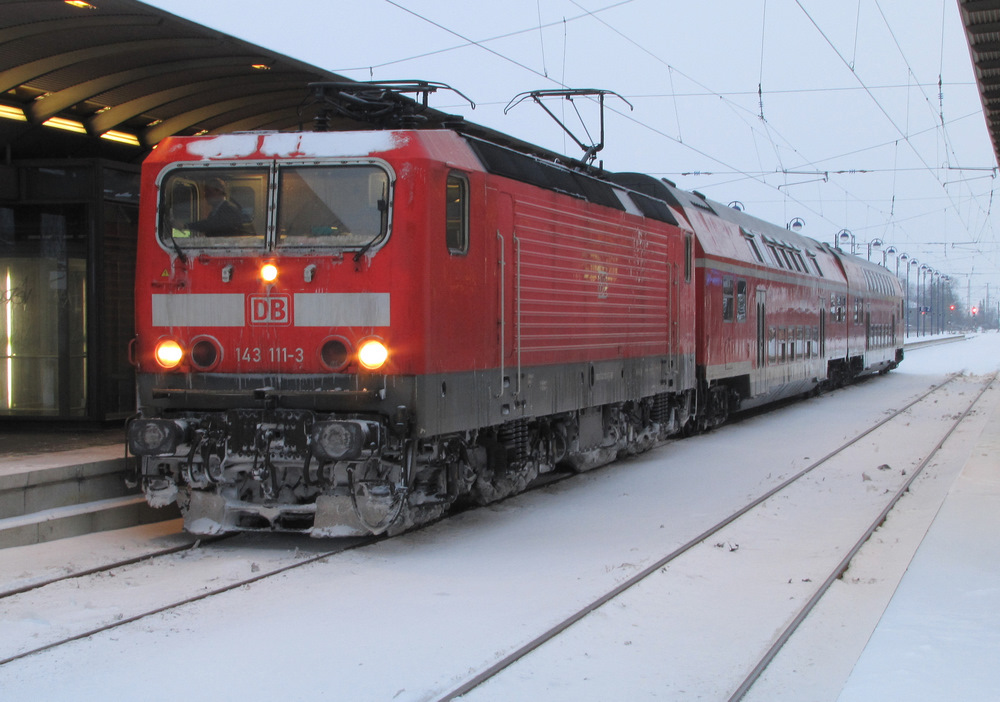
(788, 260)
(819, 271)
(457, 214)
(741, 300)
(775, 256)
(801, 261)
(727, 299)
(753, 247)
(838, 305)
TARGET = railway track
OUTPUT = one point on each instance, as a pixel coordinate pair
(114, 612)
(152, 555)
(705, 539)
(215, 566)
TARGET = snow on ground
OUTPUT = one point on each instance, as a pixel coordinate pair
(413, 616)
(940, 635)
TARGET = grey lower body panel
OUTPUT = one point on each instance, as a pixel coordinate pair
(432, 404)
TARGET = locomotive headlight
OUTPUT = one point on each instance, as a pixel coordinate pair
(168, 353)
(372, 354)
(269, 272)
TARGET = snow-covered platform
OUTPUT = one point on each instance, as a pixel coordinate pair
(938, 639)
(54, 485)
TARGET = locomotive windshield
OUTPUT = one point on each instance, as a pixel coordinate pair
(342, 206)
(336, 206)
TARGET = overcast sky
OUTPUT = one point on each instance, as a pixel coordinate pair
(850, 129)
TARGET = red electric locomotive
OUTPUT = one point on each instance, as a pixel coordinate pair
(381, 323)
(349, 332)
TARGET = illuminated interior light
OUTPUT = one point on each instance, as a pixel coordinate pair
(14, 113)
(121, 137)
(66, 125)
(260, 67)
(269, 272)
(169, 353)
(373, 354)
(81, 4)
(8, 295)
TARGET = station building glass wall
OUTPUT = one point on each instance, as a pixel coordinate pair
(67, 260)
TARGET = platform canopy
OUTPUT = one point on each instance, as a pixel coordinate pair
(982, 27)
(111, 78)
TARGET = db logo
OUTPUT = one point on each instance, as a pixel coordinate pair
(270, 309)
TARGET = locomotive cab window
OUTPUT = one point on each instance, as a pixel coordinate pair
(342, 206)
(213, 207)
(457, 213)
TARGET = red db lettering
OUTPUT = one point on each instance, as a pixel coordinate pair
(270, 309)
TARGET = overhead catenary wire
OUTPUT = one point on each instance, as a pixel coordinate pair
(957, 210)
(958, 204)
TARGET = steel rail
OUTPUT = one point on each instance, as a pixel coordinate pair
(38, 584)
(363, 541)
(505, 662)
(841, 568)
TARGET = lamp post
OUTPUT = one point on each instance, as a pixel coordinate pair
(922, 295)
(874, 244)
(845, 236)
(935, 299)
(941, 317)
(890, 251)
(913, 262)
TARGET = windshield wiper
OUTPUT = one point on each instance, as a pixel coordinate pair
(383, 207)
(177, 248)
(364, 249)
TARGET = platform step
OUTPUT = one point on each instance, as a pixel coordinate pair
(69, 493)
(79, 519)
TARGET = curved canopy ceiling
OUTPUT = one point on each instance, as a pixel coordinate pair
(982, 27)
(111, 78)
(127, 75)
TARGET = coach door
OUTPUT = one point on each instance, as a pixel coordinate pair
(822, 331)
(760, 372)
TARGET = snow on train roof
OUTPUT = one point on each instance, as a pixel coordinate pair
(285, 144)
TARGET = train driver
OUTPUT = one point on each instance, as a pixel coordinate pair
(225, 218)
